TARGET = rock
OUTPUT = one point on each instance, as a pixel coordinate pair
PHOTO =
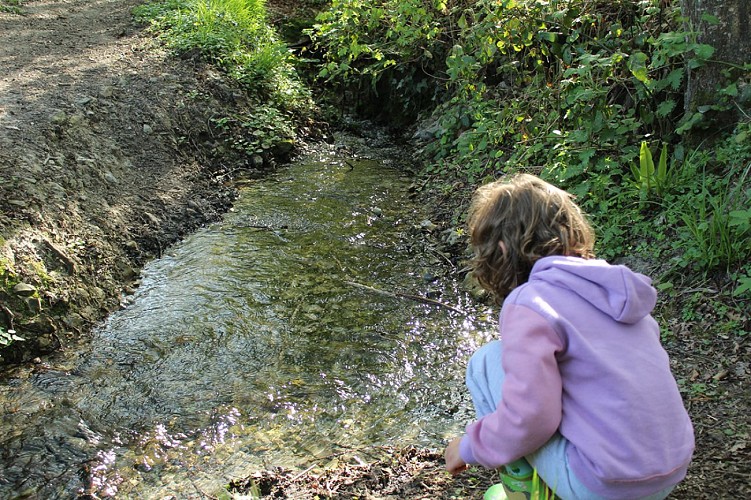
(97, 293)
(74, 320)
(45, 342)
(34, 304)
(147, 129)
(283, 148)
(153, 219)
(427, 133)
(24, 290)
(109, 177)
(256, 161)
(452, 236)
(429, 277)
(427, 225)
(77, 120)
(59, 117)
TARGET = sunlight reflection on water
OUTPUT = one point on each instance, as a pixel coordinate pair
(248, 345)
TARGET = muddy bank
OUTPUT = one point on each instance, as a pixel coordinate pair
(107, 156)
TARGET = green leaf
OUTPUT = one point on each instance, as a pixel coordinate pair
(688, 122)
(662, 166)
(675, 78)
(547, 36)
(637, 64)
(646, 163)
(665, 108)
(740, 218)
(665, 286)
(743, 287)
(637, 175)
(703, 51)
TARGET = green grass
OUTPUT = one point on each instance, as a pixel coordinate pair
(233, 35)
(12, 7)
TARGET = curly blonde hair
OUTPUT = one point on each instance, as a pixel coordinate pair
(532, 219)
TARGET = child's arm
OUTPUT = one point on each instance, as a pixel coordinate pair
(530, 410)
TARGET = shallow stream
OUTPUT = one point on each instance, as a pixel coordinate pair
(289, 334)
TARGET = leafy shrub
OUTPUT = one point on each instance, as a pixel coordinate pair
(232, 34)
(717, 219)
(12, 7)
(389, 51)
(577, 91)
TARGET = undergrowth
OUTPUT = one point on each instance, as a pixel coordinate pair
(12, 7)
(587, 94)
(234, 36)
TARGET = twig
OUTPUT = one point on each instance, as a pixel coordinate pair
(9, 314)
(298, 476)
(60, 254)
(294, 313)
(440, 254)
(417, 298)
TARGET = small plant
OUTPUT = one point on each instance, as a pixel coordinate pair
(744, 286)
(718, 225)
(7, 337)
(11, 7)
(647, 177)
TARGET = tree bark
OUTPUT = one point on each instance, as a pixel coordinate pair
(731, 38)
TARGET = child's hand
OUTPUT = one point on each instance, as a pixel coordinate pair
(454, 462)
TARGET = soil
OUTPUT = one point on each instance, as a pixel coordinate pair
(108, 156)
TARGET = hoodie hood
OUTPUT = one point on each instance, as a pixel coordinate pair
(622, 294)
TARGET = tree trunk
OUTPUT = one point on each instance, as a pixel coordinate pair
(731, 38)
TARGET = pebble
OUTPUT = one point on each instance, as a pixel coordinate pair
(427, 225)
(24, 289)
(109, 177)
(59, 117)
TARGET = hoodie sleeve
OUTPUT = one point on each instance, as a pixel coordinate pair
(530, 410)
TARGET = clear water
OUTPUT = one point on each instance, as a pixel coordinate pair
(282, 336)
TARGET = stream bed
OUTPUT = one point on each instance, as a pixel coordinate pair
(288, 334)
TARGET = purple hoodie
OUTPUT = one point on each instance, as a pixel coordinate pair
(582, 356)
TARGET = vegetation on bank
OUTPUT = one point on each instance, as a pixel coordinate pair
(235, 36)
(589, 95)
(11, 6)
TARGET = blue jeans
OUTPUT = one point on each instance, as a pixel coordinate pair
(484, 379)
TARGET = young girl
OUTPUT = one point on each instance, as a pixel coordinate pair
(580, 385)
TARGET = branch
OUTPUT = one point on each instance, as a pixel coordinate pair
(417, 298)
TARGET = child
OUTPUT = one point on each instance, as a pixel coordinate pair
(580, 385)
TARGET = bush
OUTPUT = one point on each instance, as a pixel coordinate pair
(232, 34)
(583, 93)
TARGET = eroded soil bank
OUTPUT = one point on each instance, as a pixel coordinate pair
(107, 156)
